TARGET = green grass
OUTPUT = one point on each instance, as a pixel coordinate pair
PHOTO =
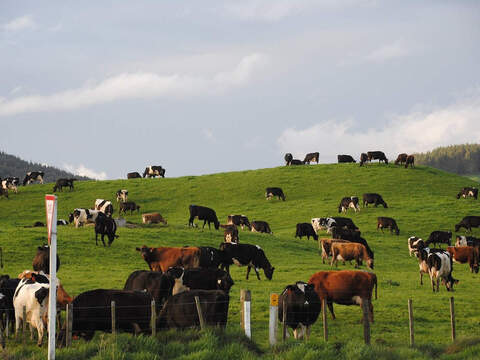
(420, 199)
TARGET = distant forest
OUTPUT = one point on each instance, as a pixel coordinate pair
(460, 159)
(11, 165)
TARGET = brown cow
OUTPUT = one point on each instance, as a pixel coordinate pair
(401, 159)
(345, 287)
(326, 245)
(153, 218)
(465, 254)
(410, 161)
(163, 258)
(230, 233)
(350, 251)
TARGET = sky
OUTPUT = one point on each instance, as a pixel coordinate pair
(102, 88)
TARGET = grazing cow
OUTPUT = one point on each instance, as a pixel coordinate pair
(104, 206)
(350, 251)
(352, 236)
(388, 223)
(245, 254)
(122, 195)
(129, 205)
(345, 287)
(349, 202)
(134, 175)
(415, 244)
(337, 221)
(468, 222)
(465, 254)
(153, 171)
(373, 198)
(363, 158)
(401, 159)
(155, 283)
(410, 161)
(305, 229)
(326, 245)
(82, 216)
(91, 312)
(345, 159)
(203, 213)
(153, 218)
(440, 266)
(377, 155)
(311, 157)
(239, 220)
(467, 241)
(41, 261)
(11, 183)
(105, 226)
(163, 258)
(230, 233)
(302, 306)
(180, 310)
(296, 162)
(3, 192)
(270, 192)
(468, 191)
(33, 176)
(61, 183)
(439, 237)
(288, 158)
(200, 279)
(261, 227)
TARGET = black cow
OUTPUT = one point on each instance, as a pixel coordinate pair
(245, 254)
(296, 162)
(32, 176)
(133, 175)
(154, 282)
(41, 261)
(239, 220)
(305, 229)
(388, 223)
(200, 279)
(468, 222)
(410, 161)
(349, 202)
(203, 213)
(288, 158)
(468, 191)
(270, 192)
(345, 159)
(311, 157)
(129, 205)
(153, 171)
(377, 155)
(105, 226)
(401, 159)
(92, 312)
(372, 198)
(302, 306)
(61, 183)
(7, 310)
(261, 227)
(439, 237)
(211, 257)
(363, 158)
(180, 310)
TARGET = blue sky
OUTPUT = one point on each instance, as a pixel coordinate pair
(105, 88)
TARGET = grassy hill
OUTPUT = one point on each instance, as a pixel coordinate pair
(420, 199)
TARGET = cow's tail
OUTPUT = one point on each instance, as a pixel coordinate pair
(375, 283)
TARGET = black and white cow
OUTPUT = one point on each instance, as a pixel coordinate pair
(349, 202)
(468, 222)
(11, 183)
(302, 306)
(33, 176)
(305, 229)
(122, 195)
(311, 157)
(415, 244)
(467, 241)
(296, 162)
(345, 159)
(440, 266)
(468, 191)
(373, 198)
(336, 221)
(81, 216)
(363, 158)
(134, 175)
(104, 206)
(270, 192)
(203, 213)
(439, 237)
(153, 171)
(377, 155)
(261, 227)
(248, 255)
(105, 226)
(288, 158)
(61, 183)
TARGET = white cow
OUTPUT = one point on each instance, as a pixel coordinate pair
(104, 206)
(122, 195)
(414, 244)
(440, 267)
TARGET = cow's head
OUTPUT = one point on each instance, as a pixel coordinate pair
(457, 227)
(449, 282)
(370, 263)
(62, 297)
(217, 224)
(269, 272)
(146, 253)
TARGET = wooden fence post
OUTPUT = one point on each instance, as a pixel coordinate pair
(284, 323)
(68, 325)
(410, 322)
(154, 318)
(366, 320)
(114, 325)
(273, 319)
(24, 324)
(245, 301)
(200, 313)
(452, 318)
(324, 318)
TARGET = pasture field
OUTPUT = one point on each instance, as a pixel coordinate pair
(421, 200)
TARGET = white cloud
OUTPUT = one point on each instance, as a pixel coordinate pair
(387, 52)
(81, 170)
(20, 23)
(135, 86)
(208, 134)
(418, 131)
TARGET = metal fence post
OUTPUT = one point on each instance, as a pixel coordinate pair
(245, 301)
(272, 325)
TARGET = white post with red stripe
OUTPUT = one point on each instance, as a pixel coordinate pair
(51, 209)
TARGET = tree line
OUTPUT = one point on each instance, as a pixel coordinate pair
(460, 159)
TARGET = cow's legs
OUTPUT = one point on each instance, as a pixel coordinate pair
(204, 222)
(103, 239)
(248, 271)
(96, 238)
(330, 307)
(256, 272)
(421, 277)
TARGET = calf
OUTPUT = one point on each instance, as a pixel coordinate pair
(465, 254)
(415, 244)
(203, 213)
(129, 205)
(61, 183)
(122, 195)
(363, 158)
(373, 198)
(134, 175)
(270, 192)
(350, 251)
(153, 171)
(104, 206)
(468, 191)
(326, 245)
(467, 241)
(288, 158)
(261, 227)
(239, 220)
(305, 229)
(439, 237)
(248, 255)
(311, 157)
(349, 202)
(345, 159)
(82, 216)
(105, 226)
(302, 306)
(401, 159)
(468, 222)
(33, 176)
(377, 155)
(440, 266)
(388, 223)
(410, 161)
(153, 218)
